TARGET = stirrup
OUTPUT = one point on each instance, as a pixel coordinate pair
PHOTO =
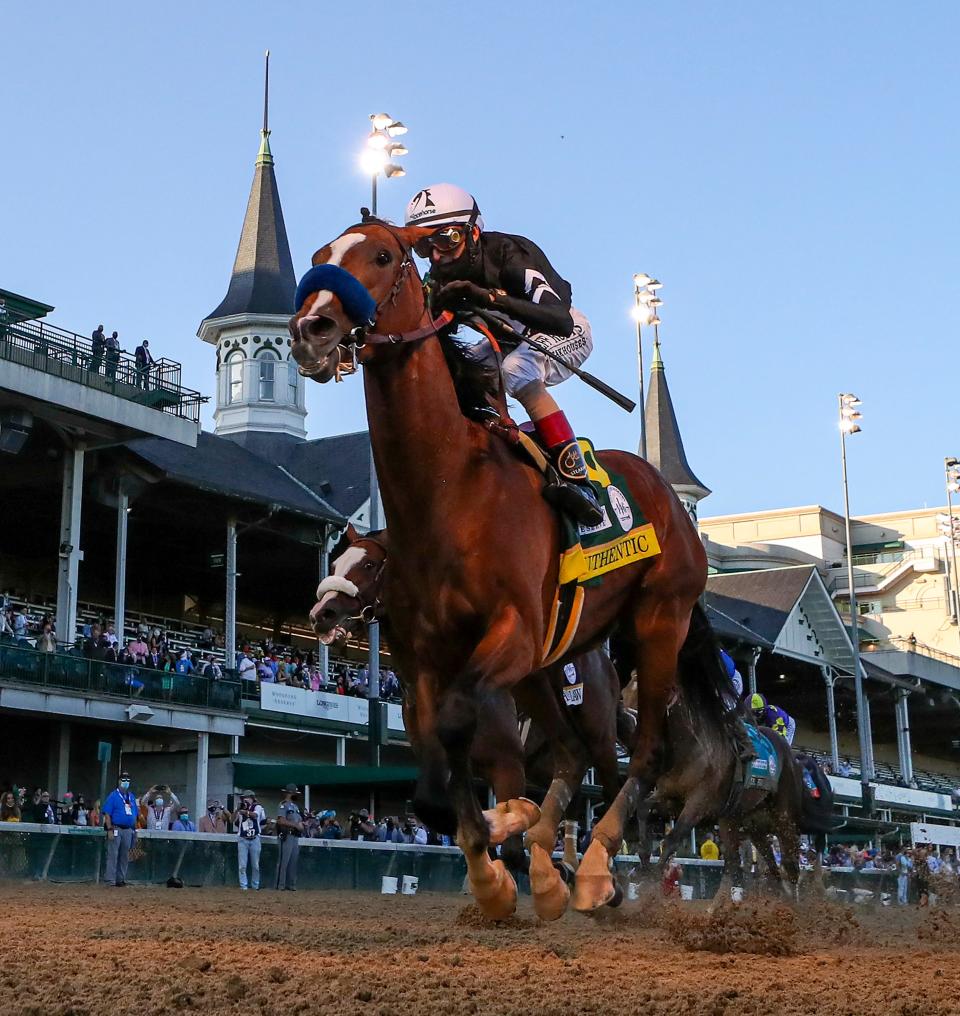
(577, 500)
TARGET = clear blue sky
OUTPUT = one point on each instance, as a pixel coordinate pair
(789, 171)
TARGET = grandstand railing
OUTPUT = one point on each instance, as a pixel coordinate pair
(116, 680)
(56, 351)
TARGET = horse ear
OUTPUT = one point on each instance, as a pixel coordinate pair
(350, 533)
(409, 235)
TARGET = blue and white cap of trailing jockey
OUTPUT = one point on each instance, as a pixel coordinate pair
(443, 204)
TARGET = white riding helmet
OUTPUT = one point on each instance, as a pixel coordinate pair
(443, 204)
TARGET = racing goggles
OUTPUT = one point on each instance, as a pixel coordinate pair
(446, 239)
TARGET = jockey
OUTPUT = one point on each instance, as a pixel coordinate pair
(774, 717)
(474, 268)
(736, 680)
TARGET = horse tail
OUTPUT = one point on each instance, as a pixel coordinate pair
(817, 814)
(701, 674)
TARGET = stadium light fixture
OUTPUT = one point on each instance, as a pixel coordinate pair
(644, 312)
(381, 151)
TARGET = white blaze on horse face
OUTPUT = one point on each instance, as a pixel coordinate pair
(338, 250)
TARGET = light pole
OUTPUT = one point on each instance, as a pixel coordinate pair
(849, 415)
(952, 473)
(380, 151)
(645, 304)
(376, 158)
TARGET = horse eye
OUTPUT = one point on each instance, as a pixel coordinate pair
(368, 564)
(384, 257)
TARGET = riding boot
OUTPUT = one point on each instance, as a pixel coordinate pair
(573, 492)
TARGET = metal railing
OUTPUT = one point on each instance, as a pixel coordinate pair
(890, 562)
(64, 354)
(33, 667)
(908, 645)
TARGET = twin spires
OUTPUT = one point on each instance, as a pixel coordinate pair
(664, 444)
(263, 280)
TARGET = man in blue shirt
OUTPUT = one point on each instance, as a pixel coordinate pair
(119, 822)
(183, 823)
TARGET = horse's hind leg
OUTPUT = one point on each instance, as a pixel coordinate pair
(732, 869)
(660, 628)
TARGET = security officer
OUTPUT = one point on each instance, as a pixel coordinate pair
(289, 830)
(119, 823)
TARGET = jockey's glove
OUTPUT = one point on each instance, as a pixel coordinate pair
(460, 294)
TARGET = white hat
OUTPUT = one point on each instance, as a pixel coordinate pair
(443, 204)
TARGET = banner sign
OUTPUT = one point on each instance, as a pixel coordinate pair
(321, 705)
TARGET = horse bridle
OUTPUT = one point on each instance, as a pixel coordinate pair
(361, 337)
(372, 609)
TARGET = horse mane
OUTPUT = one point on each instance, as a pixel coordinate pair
(472, 380)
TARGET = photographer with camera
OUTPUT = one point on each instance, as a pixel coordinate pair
(361, 827)
(289, 831)
(412, 832)
(250, 818)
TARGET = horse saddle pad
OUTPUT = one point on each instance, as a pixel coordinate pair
(764, 771)
(623, 537)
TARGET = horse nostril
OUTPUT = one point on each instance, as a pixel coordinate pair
(328, 614)
(319, 326)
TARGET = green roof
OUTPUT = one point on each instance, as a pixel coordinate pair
(258, 773)
(22, 308)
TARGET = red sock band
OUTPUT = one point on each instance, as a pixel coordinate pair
(554, 429)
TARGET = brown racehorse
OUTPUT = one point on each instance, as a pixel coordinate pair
(353, 594)
(471, 603)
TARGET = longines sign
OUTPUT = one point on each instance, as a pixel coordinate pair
(279, 698)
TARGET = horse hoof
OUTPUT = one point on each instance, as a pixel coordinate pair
(594, 886)
(524, 811)
(498, 823)
(550, 894)
(617, 896)
(496, 898)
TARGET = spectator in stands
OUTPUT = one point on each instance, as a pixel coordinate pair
(138, 650)
(250, 818)
(315, 679)
(360, 685)
(47, 640)
(119, 822)
(183, 823)
(144, 361)
(845, 769)
(184, 665)
(206, 639)
(154, 658)
(265, 673)
(215, 820)
(389, 685)
(112, 359)
(246, 666)
(110, 635)
(289, 829)
(98, 343)
(94, 646)
(709, 850)
(210, 668)
(412, 832)
(43, 810)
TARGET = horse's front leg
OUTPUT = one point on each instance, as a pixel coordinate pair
(492, 885)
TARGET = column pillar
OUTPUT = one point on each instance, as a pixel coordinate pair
(70, 553)
(903, 734)
(63, 762)
(341, 751)
(203, 761)
(230, 599)
(306, 797)
(323, 652)
(120, 586)
(869, 771)
(832, 718)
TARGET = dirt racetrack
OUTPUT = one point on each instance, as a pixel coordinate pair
(72, 950)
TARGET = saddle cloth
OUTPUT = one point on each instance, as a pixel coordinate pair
(764, 771)
(588, 553)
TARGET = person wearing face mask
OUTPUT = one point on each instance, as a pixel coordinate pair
(119, 823)
(183, 823)
(160, 805)
(214, 820)
(249, 817)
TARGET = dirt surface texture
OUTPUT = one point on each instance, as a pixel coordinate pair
(73, 950)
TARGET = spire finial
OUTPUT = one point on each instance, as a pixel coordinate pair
(656, 363)
(265, 157)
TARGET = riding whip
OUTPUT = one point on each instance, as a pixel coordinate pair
(502, 324)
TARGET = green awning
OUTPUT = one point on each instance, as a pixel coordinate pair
(23, 308)
(258, 773)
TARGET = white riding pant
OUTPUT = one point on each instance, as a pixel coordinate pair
(525, 365)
